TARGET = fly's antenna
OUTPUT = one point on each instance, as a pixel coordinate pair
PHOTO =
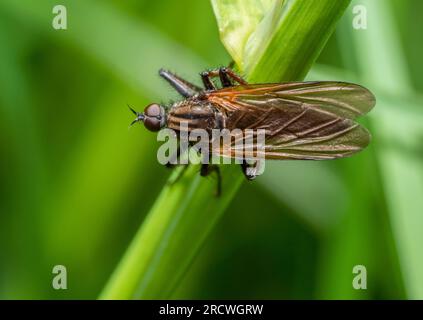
(140, 116)
(133, 111)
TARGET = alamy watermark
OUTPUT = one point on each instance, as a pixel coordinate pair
(360, 279)
(60, 279)
(360, 17)
(218, 146)
(60, 20)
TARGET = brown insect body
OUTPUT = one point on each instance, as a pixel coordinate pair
(303, 120)
(297, 126)
(195, 113)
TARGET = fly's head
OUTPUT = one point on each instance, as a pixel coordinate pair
(153, 117)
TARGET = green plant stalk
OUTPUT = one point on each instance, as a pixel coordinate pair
(186, 211)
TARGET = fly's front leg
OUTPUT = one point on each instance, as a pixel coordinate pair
(184, 88)
(207, 169)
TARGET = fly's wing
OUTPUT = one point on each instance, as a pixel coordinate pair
(302, 120)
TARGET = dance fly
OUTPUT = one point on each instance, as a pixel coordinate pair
(302, 120)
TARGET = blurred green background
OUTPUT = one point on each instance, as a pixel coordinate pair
(76, 183)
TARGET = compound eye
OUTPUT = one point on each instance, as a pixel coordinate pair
(152, 124)
(153, 110)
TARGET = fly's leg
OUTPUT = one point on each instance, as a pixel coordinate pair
(207, 169)
(206, 78)
(226, 76)
(249, 169)
(184, 88)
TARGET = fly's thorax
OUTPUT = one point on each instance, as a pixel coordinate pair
(193, 114)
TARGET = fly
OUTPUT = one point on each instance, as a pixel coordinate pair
(302, 120)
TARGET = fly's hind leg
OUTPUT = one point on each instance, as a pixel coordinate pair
(207, 169)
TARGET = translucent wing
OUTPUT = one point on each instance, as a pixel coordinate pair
(303, 120)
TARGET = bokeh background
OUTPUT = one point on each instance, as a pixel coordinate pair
(75, 183)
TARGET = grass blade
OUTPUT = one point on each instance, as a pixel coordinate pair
(186, 212)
